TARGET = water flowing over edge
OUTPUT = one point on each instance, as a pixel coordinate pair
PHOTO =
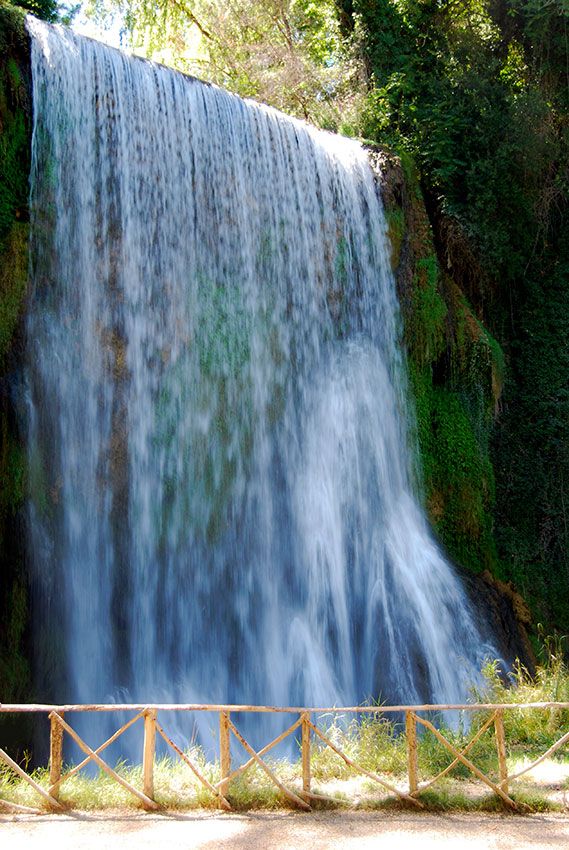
(220, 498)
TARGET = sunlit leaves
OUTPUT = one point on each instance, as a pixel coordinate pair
(288, 53)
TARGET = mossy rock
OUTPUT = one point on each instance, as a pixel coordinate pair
(15, 137)
(456, 373)
(15, 117)
(13, 282)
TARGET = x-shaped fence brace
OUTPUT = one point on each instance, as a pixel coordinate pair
(308, 730)
(460, 756)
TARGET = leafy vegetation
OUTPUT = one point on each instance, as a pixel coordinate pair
(550, 683)
(47, 10)
(477, 92)
(288, 53)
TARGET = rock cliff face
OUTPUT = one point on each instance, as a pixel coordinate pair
(456, 373)
(506, 613)
(455, 369)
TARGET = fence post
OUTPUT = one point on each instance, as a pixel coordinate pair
(55, 756)
(224, 751)
(149, 752)
(501, 748)
(306, 752)
(411, 730)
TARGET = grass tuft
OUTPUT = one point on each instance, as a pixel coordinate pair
(378, 746)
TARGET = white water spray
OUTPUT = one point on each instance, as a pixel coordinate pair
(220, 499)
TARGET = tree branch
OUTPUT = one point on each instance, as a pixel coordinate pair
(181, 6)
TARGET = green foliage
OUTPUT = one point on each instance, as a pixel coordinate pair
(476, 91)
(14, 167)
(47, 10)
(12, 463)
(531, 450)
(395, 232)
(532, 731)
(14, 121)
(446, 87)
(13, 35)
(287, 53)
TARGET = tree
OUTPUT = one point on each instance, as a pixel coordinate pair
(47, 10)
(287, 53)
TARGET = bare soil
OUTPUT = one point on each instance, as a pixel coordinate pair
(284, 830)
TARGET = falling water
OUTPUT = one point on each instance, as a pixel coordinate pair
(221, 505)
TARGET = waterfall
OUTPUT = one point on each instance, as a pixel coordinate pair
(221, 504)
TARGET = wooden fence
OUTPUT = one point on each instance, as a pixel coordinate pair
(415, 715)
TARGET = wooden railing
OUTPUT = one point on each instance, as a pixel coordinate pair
(305, 722)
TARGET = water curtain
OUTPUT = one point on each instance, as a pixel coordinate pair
(221, 504)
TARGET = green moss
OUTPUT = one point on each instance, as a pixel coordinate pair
(395, 233)
(456, 375)
(14, 73)
(13, 280)
(458, 477)
(13, 35)
(15, 674)
(341, 261)
(477, 362)
(14, 169)
(411, 173)
(15, 124)
(461, 486)
(425, 329)
(12, 463)
(14, 667)
(15, 113)
(421, 385)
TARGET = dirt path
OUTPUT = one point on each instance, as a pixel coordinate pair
(283, 830)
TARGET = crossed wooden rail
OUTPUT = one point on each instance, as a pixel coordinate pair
(308, 729)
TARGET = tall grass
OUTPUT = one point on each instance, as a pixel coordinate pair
(372, 741)
(531, 729)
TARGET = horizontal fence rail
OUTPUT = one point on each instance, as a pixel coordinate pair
(305, 724)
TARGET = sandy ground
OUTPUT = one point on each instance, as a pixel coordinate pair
(283, 830)
(128, 829)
